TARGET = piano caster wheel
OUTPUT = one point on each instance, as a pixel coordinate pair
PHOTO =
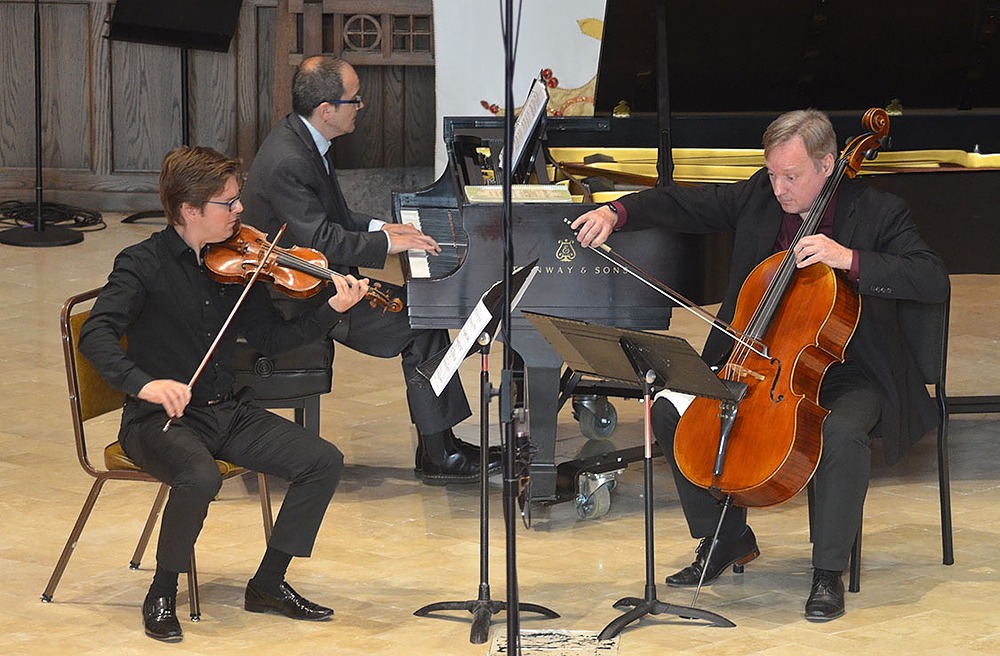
(594, 499)
(598, 425)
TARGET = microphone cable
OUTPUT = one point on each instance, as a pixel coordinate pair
(18, 213)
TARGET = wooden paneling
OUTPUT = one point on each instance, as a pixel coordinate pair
(213, 100)
(145, 105)
(65, 86)
(396, 127)
(17, 94)
(111, 110)
(421, 117)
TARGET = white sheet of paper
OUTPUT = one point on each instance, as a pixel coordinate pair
(469, 333)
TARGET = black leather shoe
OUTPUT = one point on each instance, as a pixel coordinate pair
(737, 553)
(470, 450)
(288, 603)
(826, 599)
(159, 617)
(456, 468)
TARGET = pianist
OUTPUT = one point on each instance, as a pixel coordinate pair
(869, 236)
(292, 180)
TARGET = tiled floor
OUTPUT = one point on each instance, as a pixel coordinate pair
(391, 544)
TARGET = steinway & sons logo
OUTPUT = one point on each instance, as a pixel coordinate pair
(566, 253)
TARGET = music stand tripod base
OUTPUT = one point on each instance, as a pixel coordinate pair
(630, 355)
(483, 608)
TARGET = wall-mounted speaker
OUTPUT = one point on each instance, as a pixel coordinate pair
(198, 24)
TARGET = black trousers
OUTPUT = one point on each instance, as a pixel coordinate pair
(239, 432)
(387, 335)
(840, 481)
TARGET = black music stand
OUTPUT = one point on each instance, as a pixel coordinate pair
(630, 355)
(483, 607)
(183, 24)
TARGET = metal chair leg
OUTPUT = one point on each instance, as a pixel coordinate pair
(74, 537)
(194, 603)
(855, 580)
(944, 483)
(147, 530)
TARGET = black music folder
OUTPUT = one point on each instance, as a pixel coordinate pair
(608, 352)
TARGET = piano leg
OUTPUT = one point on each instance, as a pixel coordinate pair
(543, 372)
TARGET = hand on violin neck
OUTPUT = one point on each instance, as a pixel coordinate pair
(350, 290)
(171, 394)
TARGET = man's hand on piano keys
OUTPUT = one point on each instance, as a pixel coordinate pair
(594, 227)
(404, 237)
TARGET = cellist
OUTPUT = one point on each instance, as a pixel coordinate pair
(866, 235)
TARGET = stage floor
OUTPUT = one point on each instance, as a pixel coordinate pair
(390, 544)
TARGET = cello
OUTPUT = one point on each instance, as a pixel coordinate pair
(763, 448)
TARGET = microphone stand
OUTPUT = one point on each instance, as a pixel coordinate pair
(511, 477)
(40, 235)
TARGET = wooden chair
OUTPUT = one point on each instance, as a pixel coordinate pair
(90, 397)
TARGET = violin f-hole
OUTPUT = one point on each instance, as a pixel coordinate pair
(774, 383)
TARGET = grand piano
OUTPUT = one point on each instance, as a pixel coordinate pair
(684, 92)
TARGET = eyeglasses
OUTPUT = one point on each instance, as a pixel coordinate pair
(356, 100)
(230, 204)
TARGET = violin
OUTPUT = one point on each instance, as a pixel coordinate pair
(298, 271)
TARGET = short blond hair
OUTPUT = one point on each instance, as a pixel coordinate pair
(811, 124)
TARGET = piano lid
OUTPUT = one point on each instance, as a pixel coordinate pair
(778, 55)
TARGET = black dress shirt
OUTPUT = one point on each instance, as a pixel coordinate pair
(169, 310)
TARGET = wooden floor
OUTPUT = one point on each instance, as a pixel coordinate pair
(391, 544)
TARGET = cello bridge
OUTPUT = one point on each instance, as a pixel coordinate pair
(736, 371)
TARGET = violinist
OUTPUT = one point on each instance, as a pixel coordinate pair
(292, 180)
(161, 300)
(869, 238)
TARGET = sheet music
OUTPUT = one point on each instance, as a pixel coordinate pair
(484, 312)
(531, 113)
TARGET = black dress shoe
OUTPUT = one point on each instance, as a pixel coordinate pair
(287, 602)
(471, 451)
(737, 553)
(159, 617)
(826, 599)
(457, 467)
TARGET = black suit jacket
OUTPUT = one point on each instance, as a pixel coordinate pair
(288, 183)
(894, 263)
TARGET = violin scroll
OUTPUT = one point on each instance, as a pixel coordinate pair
(377, 296)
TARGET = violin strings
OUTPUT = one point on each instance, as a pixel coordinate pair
(305, 266)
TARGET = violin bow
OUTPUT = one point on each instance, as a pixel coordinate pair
(232, 313)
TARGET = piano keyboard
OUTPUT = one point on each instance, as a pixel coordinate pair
(439, 223)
